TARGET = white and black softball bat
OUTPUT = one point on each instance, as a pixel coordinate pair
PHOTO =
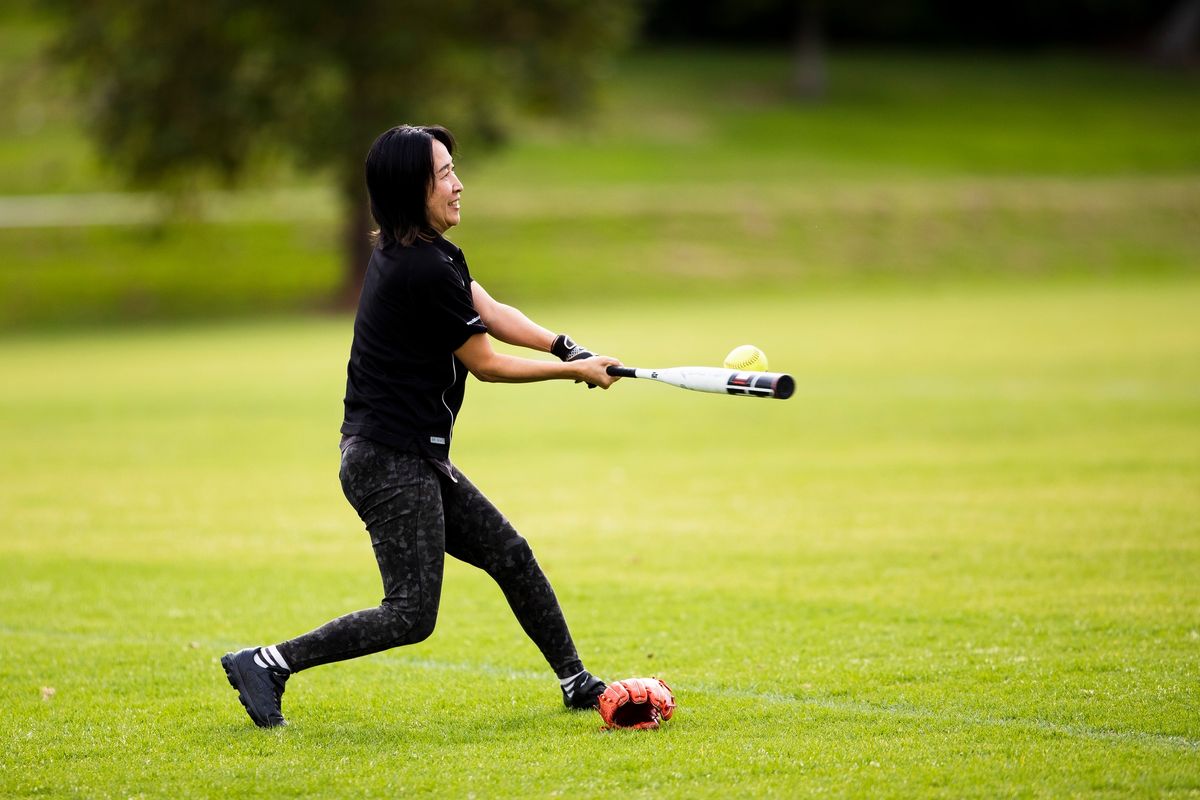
(716, 380)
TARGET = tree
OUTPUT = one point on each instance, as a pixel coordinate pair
(176, 89)
(1176, 42)
(810, 75)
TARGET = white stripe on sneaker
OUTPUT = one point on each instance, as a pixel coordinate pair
(567, 683)
(273, 654)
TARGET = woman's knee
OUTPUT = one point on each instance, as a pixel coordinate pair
(410, 627)
(515, 559)
(423, 628)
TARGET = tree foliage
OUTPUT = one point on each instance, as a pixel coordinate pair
(173, 89)
(992, 23)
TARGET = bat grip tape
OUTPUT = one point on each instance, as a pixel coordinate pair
(622, 372)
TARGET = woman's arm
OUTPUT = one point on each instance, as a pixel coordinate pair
(488, 365)
(508, 324)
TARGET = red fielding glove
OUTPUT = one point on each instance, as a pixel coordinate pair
(636, 703)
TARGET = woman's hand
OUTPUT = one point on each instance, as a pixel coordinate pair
(592, 370)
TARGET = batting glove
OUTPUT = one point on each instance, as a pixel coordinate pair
(567, 350)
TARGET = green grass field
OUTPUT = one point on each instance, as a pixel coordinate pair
(959, 562)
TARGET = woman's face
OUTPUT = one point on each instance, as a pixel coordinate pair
(441, 207)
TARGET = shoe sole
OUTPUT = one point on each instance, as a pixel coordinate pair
(234, 675)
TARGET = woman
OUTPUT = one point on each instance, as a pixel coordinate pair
(422, 323)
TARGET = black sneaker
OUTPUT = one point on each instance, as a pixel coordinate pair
(259, 688)
(585, 692)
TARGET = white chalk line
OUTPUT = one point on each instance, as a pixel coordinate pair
(856, 707)
(682, 689)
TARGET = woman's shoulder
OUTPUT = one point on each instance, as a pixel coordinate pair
(422, 263)
(423, 248)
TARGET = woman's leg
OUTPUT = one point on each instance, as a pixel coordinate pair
(398, 497)
(477, 533)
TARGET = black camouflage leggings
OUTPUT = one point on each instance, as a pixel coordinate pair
(416, 515)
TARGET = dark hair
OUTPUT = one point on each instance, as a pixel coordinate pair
(399, 178)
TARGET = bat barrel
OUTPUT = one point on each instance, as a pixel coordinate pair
(761, 384)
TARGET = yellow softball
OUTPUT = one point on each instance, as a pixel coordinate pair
(746, 358)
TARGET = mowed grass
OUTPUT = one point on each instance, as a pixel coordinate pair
(960, 561)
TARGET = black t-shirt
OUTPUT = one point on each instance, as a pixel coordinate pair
(404, 386)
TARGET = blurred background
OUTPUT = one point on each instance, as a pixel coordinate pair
(160, 162)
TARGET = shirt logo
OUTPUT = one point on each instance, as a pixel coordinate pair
(437, 439)
(473, 320)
